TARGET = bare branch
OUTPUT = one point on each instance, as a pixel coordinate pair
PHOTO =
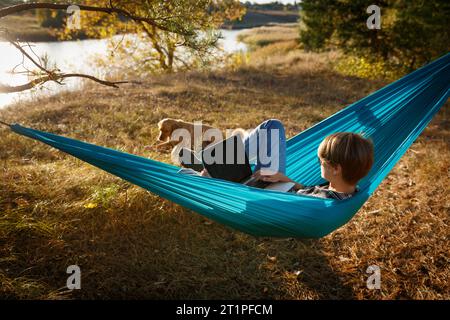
(4, 123)
(186, 65)
(113, 84)
(19, 47)
(50, 75)
(57, 78)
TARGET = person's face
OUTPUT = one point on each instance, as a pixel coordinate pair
(327, 170)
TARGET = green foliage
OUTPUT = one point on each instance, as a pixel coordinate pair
(51, 19)
(188, 41)
(422, 30)
(413, 32)
(316, 25)
(369, 68)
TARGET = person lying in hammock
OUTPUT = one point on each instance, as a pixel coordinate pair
(344, 157)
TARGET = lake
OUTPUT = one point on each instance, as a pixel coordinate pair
(70, 56)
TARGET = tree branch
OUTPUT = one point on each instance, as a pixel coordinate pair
(50, 75)
(15, 44)
(57, 78)
(4, 123)
(55, 6)
(44, 74)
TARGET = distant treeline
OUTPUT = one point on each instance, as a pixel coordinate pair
(276, 6)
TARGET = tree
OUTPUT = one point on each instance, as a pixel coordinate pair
(316, 23)
(169, 24)
(421, 31)
(51, 19)
(412, 32)
(156, 50)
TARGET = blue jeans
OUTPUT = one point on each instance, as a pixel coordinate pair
(267, 145)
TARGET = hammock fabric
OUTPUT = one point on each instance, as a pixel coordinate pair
(393, 117)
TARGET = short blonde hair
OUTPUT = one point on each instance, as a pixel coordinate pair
(351, 151)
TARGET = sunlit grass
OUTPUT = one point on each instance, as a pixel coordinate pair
(264, 36)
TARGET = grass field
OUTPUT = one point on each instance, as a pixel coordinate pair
(57, 211)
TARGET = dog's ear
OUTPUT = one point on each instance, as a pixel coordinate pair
(167, 123)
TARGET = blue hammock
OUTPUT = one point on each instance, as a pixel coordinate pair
(393, 117)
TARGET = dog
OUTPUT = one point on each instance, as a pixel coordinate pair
(166, 139)
(168, 125)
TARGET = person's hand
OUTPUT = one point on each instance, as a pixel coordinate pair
(204, 173)
(269, 176)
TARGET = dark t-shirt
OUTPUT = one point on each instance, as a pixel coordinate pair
(322, 191)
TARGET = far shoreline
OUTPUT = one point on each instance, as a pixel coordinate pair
(36, 33)
(51, 37)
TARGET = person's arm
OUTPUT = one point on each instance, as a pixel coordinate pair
(277, 177)
(297, 186)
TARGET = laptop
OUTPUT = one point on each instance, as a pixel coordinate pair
(228, 160)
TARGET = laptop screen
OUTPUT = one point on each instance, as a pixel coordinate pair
(227, 160)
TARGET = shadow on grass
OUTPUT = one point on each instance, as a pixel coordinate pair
(181, 255)
(299, 266)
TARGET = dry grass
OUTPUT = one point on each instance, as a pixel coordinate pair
(264, 36)
(137, 245)
(33, 29)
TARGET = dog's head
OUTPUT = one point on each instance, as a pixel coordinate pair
(166, 127)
